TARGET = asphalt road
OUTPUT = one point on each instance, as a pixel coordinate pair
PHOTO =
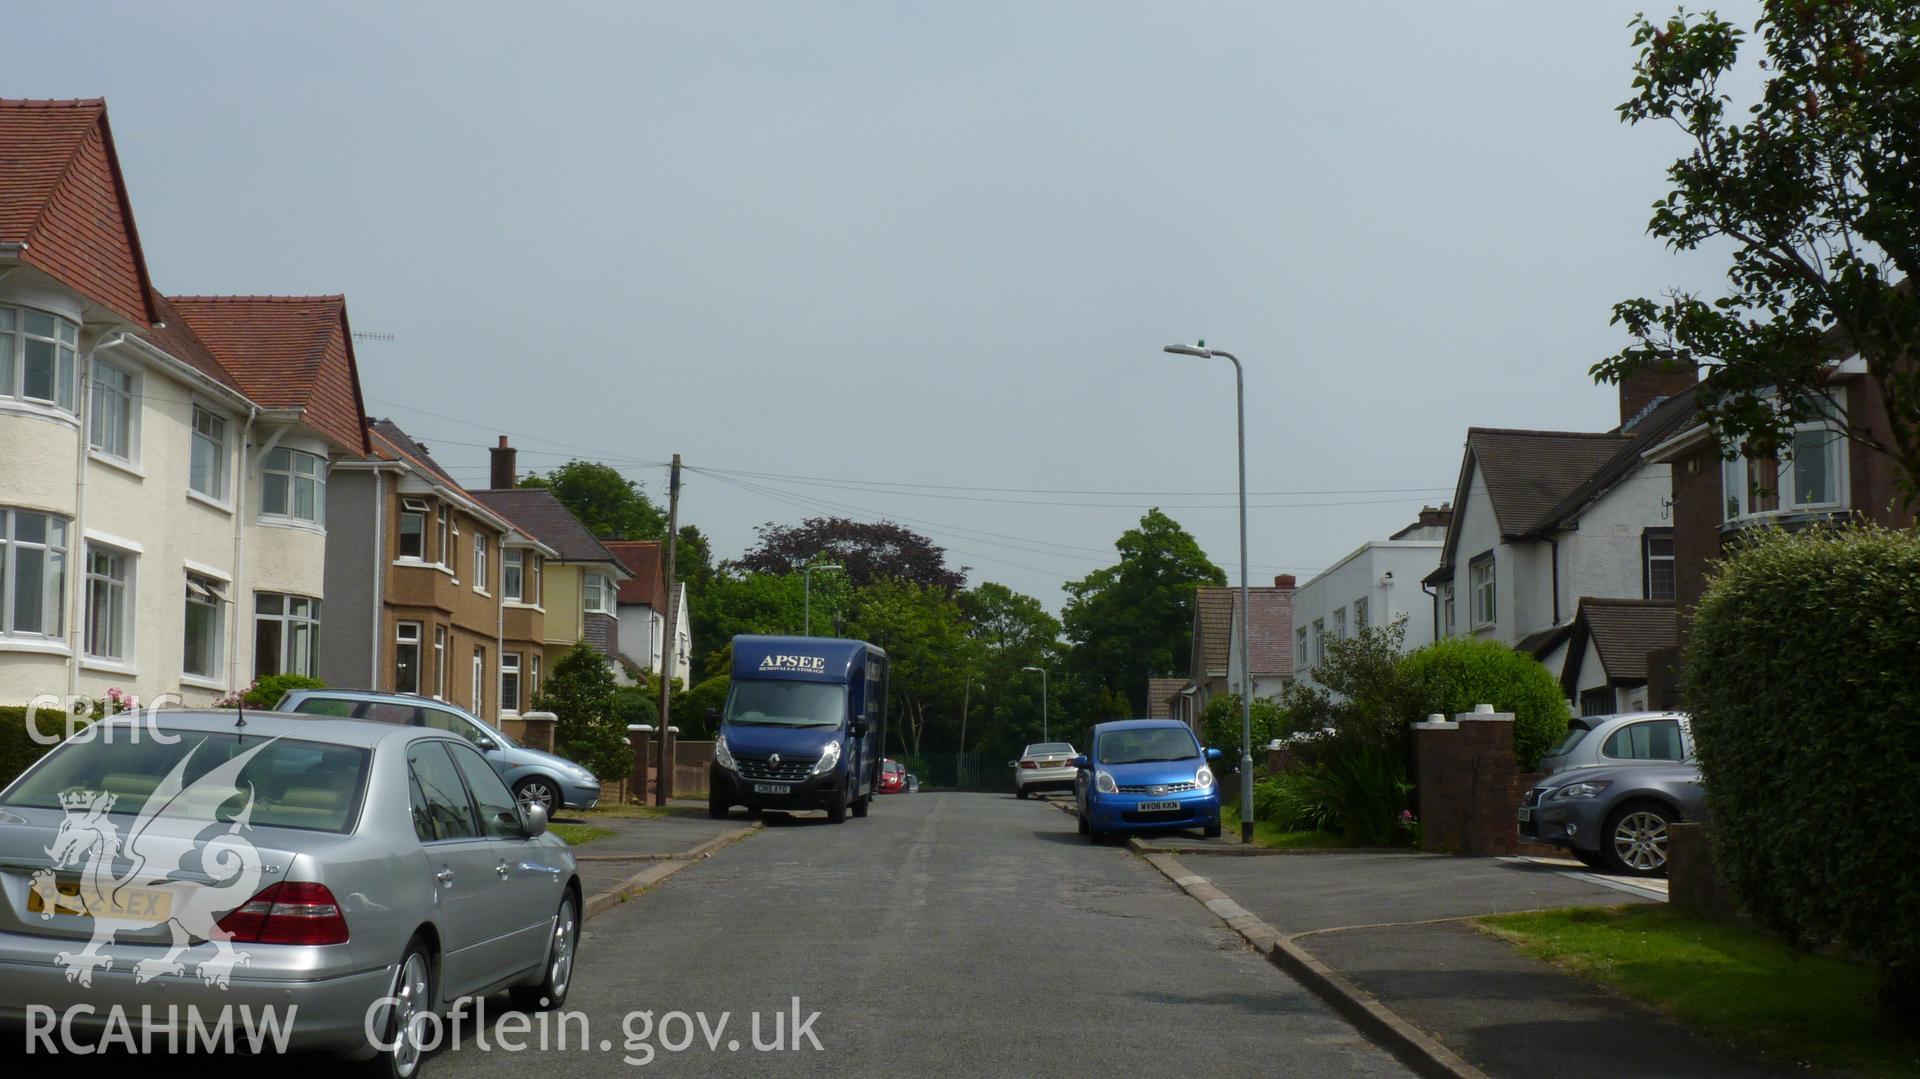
(946, 934)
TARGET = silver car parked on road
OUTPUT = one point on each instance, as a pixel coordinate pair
(365, 873)
(1620, 739)
(1043, 766)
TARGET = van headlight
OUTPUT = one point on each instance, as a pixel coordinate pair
(828, 759)
(723, 756)
(1103, 782)
(1203, 778)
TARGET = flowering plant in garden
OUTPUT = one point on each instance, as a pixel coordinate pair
(119, 701)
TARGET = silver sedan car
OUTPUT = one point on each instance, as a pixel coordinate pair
(1043, 766)
(181, 867)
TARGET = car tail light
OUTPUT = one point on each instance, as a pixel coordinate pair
(289, 912)
(1028, 764)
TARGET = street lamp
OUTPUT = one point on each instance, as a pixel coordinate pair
(806, 592)
(1246, 668)
(1043, 699)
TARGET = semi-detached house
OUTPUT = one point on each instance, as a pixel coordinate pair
(163, 462)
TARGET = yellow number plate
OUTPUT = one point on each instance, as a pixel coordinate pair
(143, 903)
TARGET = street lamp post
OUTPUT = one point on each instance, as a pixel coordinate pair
(1246, 668)
(1043, 699)
(806, 594)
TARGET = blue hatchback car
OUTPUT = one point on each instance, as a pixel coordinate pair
(1142, 774)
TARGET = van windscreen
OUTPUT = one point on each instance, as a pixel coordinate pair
(786, 704)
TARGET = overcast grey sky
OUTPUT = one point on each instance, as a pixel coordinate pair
(932, 244)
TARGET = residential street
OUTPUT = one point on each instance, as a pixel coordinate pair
(946, 934)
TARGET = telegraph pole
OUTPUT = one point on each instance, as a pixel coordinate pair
(669, 641)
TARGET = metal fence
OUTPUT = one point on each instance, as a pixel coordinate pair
(962, 771)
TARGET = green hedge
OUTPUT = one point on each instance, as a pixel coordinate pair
(1803, 677)
(1453, 675)
(18, 750)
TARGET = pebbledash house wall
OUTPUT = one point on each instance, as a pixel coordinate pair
(142, 508)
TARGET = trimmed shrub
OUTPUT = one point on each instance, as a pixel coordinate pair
(1803, 677)
(18, 749)
(1453, 675)
(266, 692)
(580, 692)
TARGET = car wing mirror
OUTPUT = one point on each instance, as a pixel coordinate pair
(858, 730)
(1214, 754)
(487, 744)
(1013, 764)
(1081, 761)
(535, 820)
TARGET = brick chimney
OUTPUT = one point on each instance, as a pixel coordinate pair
(1436, 518)
(1284, 580)
(506, 462)
(1662, 378)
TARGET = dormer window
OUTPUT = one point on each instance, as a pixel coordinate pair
(1808, 477)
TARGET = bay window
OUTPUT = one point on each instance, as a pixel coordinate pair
(479, 680)
(512, 574)
(109, 611)
(533, 677)
(37, 355)
(1446, 609)
(294, 484)
(413, 529)
(510, 681)
(1481, 590)
(286, 634)
(33, 574)
(1808, 477)
(596, 593)
(480, 562)
(439, 663)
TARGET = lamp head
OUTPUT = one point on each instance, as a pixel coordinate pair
(1190, 350)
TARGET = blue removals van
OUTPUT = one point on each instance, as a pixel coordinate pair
(805, 721)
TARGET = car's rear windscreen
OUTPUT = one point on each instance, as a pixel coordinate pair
(294, 783)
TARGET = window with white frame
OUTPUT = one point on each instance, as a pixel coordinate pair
(510, 681)
(534, 594)
(512, 574)
(443, 547)
(286, 634)
(33, 574)
(207, 469)
(37, 355)
(1359, 615)
(1319, 641)
(294, 484)
(113, 427)
(1656, 545)
(1809, 478)
(1446, 609)
(533, 676)
(1480, 588)
(406, 657)
(206, 615)
(109, 611)
(479, 680)
(440, 663)
(480, 562)
(1300, 647)
(413, 529)
(596, 593)
(1340, 624)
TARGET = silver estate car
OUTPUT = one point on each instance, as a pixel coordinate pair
(535, 777)
(367, 873)
(1620, 739)
(1043, 766)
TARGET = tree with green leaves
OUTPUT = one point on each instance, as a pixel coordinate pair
(609, 504)
(1815, 195)
(588, 728)
(1012, 631)
(928, 652)
(1135, 617)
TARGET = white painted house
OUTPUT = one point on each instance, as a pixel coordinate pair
(163, 462)
(643, 617)
(1544, 519)
(1375, 584)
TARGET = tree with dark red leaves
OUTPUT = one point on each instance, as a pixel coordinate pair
(868, 552)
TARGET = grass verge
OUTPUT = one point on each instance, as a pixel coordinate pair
(1732, 983)
(579, 834)
(1268, 834)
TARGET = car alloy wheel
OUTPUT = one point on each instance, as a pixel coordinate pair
(562, 946)
(1640, 841)
(535, 792)
(412, 1001)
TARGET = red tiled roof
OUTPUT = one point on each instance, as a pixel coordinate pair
(61, 194)
(643, 559)
(1269, 627)
(287, 352)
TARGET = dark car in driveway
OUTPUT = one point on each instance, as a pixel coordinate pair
(1615, 817)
